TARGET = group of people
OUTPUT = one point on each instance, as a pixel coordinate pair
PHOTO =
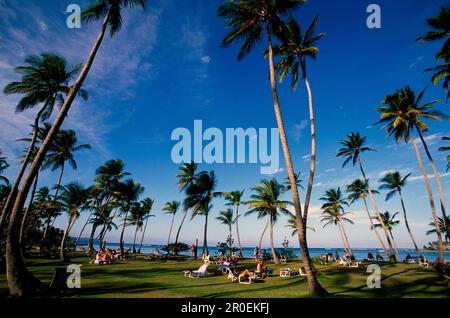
(261, 271)
(110, 256)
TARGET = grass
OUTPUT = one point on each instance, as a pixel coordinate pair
(164, 278)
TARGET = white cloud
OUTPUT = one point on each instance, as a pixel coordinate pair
(205, 59)
(298, 129)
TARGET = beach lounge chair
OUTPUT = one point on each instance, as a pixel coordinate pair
(302, 271)
(354, 264)
(231, 275)
(283, 259)
(247, 280)
(202, 271)
(423, 261)
(343, 262)
(286, 272)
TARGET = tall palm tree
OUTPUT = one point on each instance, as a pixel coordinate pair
(45, 81)
(64, 147)
(298, 181)
(399, 119)
(128, 192)
(358, 190)
(73, 199)
(352, 149)
(390, 222)
(199, 196)
(440, 30)
(147, 205)
(171, 208)
(136, 218)
(3, 166)
(294, 49)
(266, 202)
(249, 21)
(394, 182)
(47, 208)
(292, 224)
(234, 198)
(227, 218)
(334, 212)
(442, 228)
(446, 148)
(20, 281)
(185, 179)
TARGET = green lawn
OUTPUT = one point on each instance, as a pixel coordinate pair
(164, 278)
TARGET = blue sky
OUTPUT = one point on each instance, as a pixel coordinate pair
(166, 68)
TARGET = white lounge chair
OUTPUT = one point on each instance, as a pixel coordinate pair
(354, 264)
(286, 272)
(423, 261)
(302, 271)
(231, 275)
(202, 271)
(246, 280)
(283, 259)
(343, 262)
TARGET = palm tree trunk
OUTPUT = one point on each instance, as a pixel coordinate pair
(175, 251)
(123, 232)
(230, 241)
(170, 232)
(430, 196)
(406, 221)
(20, 281)
(372, 227)
(262, 235)
(12, 194)
(395, 245)
(272, 247)
(62, 255)
(237, 232)
(346, 249)
(134, 240)
(380, 219)
(205, 238)
(438, 181)
(91, 239)
(27, 212)
(314, 286)
(312, 167)
(82, 230)
(59, 181)
(143, 234)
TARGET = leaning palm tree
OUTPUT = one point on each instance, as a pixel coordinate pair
(147, 205)
(446, 148)
(441, 227)
(394, 182)
(45, 81)
(295, 48)
(20, 281)
(227, 218)
(266, 201)
(352, 149)
(440, 30)
(358, 190)
(390, 222)
(334, 212)
(250, 21)
(136, 219)
(73, 199)
(234, 198)
(63, 149)
(128, 193)
(185, 179)
(199, 196)
(171, 208)
(399, 118)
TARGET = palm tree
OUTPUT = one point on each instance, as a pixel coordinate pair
(440, 30)
(4, 192)
(20, 281)
(446, 148)
(147, 205)
(45, 81)
(296, 46)
(399, 119)
(128, 192)
(333, 212)
(357, 190)
(298, 181)
(185, 179)
(390, 222)
(136, 218)
(62, 151)
(227, 218)
(47, 208)
(394, 182)
(292, 224)
(354, 146)
(73, 200)
(267, 203)
(3, 166)
(234, 198)
(171, 208)
(249, 20)
(441, 227)
(199, 196)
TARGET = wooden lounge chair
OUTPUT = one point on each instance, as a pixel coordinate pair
(202, 271)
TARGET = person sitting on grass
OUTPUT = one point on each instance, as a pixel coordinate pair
(261, 269)
(379, 257)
